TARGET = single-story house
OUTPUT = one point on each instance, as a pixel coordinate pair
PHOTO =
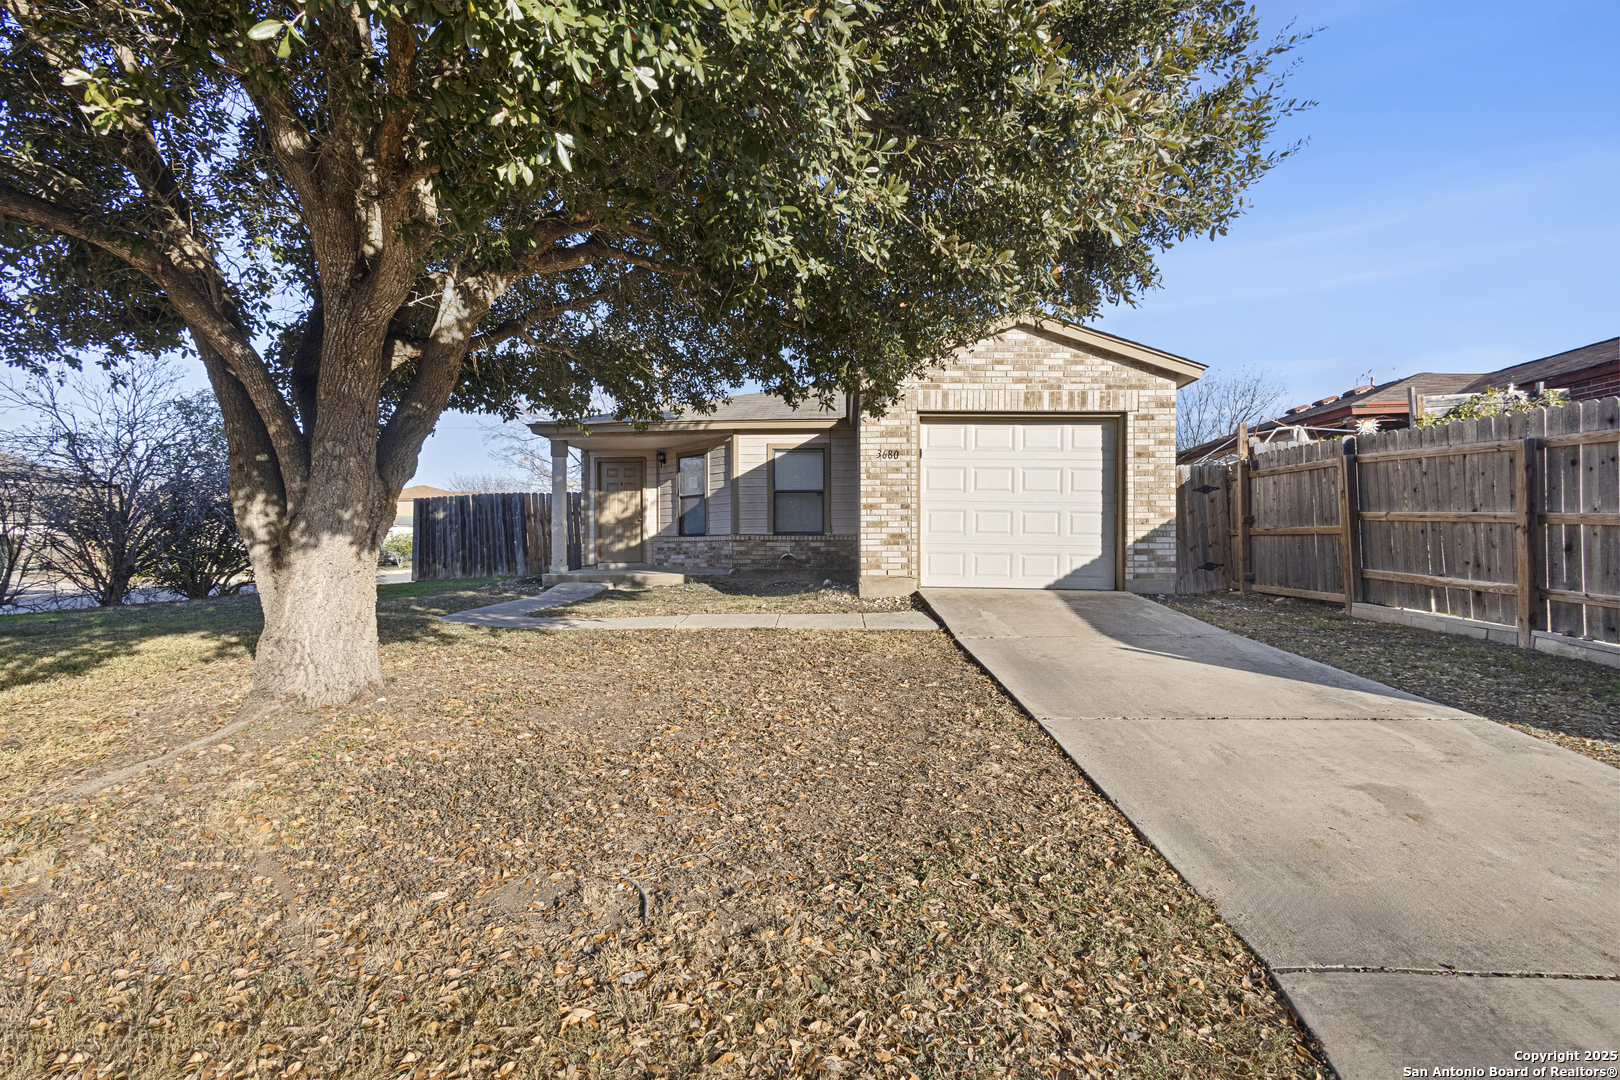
(1589, 373)
(1042, 457)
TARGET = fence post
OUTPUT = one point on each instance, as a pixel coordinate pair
(1243, 518)
(1348, 504)
(1524, 535)
(416, 535)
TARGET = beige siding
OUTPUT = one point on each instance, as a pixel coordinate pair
(587, 472)
(846, 501)
(719, 493)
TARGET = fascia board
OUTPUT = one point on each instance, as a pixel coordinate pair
(677, 427)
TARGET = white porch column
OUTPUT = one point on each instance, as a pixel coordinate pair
(559, 507)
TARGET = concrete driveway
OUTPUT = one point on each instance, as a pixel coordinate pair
(1431, 889)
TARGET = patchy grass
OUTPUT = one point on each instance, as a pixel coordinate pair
(858, 858)
(726, 596)
(1573, 703)
(96, 688)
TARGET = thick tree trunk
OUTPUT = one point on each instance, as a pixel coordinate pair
(319, 645)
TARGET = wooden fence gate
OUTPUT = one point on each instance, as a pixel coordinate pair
(1513, 520)
(508, 535)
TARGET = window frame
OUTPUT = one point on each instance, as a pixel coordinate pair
(702, 496)
(824, 448)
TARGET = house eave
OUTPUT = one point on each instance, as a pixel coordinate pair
(619, 429)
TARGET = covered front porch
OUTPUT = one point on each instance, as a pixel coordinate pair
(754, 489)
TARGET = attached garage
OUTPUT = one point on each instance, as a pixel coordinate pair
(1019, 503)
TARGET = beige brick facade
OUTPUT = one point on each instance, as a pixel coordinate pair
(1036, 370)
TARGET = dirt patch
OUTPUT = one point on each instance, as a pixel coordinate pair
(731, 596)
(625, 855)
(1573, 703)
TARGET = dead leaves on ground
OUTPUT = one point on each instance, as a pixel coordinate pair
(843, 876)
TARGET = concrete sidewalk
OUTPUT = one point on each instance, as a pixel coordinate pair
(1431, 889)
(518, 615)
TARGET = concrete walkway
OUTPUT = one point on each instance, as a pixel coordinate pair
(518, 615)
(1431, 889)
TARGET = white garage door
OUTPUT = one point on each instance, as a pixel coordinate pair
(1015, 504)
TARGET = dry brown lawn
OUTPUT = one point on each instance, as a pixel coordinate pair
(1573, 703)
(588, 854)
(727, 596)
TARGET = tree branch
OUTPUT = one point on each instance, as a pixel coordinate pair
(519, 326)
(91, 228)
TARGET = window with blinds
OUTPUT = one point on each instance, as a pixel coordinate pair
(690, 489)
(798, 491)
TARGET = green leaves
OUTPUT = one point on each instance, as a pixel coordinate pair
(837, 194)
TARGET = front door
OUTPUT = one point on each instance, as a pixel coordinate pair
(618, 512)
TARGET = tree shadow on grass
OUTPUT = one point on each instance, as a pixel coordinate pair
(409, 613)
(150, 638)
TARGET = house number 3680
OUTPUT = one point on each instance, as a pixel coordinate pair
(888, 455)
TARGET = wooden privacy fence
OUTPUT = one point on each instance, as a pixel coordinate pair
(1511, 519)
(508, 535)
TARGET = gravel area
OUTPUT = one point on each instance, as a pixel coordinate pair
(731, 596)
(1573, 703)
(608, 855)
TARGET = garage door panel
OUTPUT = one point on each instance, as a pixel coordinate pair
(1048, 480)
(1039, 565)
(993, 437)
(996, 524)
(1018, 504)
(1042, 436)
(1040, 523)
(994, 565)
(999, 480)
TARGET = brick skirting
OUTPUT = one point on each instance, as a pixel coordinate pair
(748, 553)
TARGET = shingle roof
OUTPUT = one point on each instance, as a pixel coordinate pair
(1426, 382)
(749, 407)
(1549, 369)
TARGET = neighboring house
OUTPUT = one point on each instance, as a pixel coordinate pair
(1044, 457)
(404, 510)
(1587, 373)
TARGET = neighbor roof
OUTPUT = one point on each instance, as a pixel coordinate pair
(423, 491)
(1549, 369)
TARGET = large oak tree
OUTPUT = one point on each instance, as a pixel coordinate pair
(360, 214)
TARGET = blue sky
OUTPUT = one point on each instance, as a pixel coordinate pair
(1455, 207)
